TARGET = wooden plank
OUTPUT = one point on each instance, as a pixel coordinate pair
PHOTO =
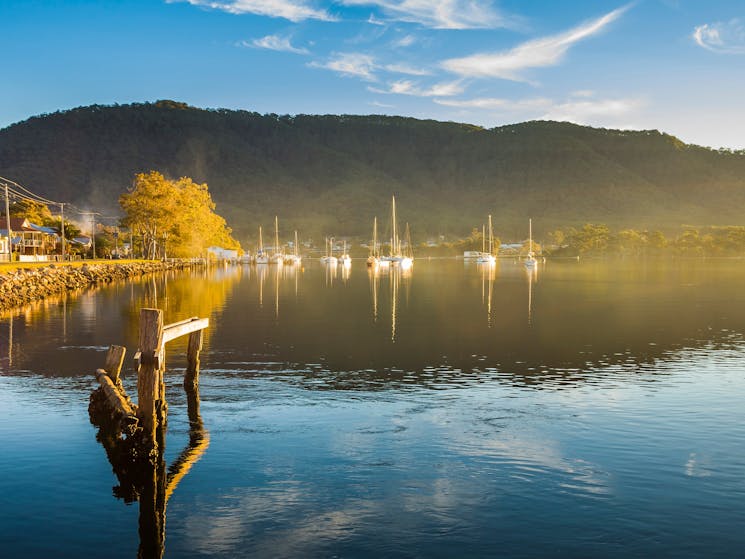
(178, 329)
(114, 362)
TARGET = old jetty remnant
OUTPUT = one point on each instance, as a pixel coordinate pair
(133, 436)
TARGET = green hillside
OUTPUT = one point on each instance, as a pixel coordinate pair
(332, 174)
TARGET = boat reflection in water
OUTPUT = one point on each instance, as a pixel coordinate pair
(488, 275)
(398, 277)
(531, 273)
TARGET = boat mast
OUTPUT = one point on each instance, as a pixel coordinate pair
(409, 248)
(296, 249)
(276, 235)
(395, 249)
(530, 236)
(375, 237)
(491, 248)
(483, 238)
(261, 241)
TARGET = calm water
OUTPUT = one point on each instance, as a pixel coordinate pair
(592, 410)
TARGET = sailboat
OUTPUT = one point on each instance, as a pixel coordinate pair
(530, 261)
(329, 258)
(394, 256)
(261, 256)
(295, 257)
(345, 259)
(278, 256)
(374, 259)
(487, 257)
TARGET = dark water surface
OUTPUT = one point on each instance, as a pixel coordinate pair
(594, 410)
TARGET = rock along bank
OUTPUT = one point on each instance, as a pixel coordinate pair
(20, 286)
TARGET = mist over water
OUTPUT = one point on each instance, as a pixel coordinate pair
(587, 409)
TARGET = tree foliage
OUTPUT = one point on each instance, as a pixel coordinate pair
(173, 217)
(599, 240)
(35, 212)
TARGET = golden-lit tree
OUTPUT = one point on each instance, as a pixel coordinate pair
(35, 212)
(174, 216)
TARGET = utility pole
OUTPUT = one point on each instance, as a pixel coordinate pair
(93, 229)
(93, 235)
(62, 228)
(7, 218)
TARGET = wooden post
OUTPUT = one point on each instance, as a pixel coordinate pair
(148, 373)
(114, 362)
(191, 378)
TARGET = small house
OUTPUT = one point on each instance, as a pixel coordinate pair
(29, 241)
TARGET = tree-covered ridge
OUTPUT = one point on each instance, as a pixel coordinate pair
(331, 174)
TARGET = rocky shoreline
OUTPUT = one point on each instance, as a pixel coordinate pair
(26, 285)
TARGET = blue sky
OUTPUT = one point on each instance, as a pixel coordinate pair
(674, 65)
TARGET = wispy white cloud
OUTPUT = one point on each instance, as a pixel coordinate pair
(365, 66)
(352, 64)
(498, 104)
(274, 42)
(382, 105)
(580, 109)
(546, 51)
(592, 111)
(408, 87)
(722, 38)
(439, 14)
(293, 10)
(403, 42)
(372, 20)
(406, 69)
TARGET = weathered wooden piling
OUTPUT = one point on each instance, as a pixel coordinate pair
(114, 362)
(191, 377)
(149, 359)
(151, 363)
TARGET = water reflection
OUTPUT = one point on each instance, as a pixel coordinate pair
(330, 273)
(346, 270)
(147, 481)
(470, 320)
(397, 278)
(531, 272)
(374, 280)
(488, 275)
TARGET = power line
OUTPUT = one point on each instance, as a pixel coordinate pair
(25, 193)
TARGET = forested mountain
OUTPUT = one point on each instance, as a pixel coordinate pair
(332, 174)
